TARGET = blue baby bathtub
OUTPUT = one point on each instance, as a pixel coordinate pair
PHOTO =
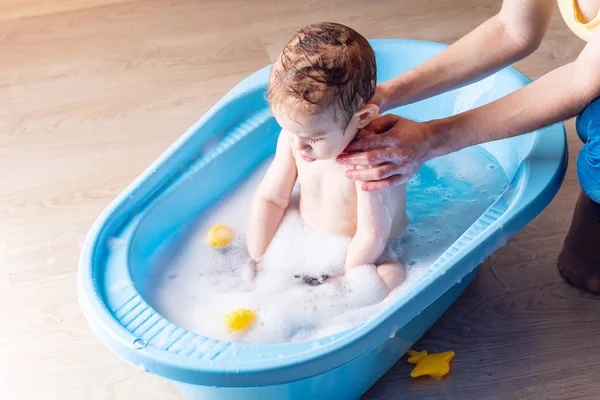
(210, 159)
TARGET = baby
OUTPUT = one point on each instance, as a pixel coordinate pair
(319, 92)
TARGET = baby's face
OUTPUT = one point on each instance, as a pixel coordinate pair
(315, 136)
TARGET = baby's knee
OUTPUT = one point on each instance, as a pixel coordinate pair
(392, 273)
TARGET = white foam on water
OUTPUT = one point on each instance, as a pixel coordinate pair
(194, 285)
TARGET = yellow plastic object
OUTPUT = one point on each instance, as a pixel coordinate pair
(571, 13)
(240, 319)
(435, 365)
(220, 236)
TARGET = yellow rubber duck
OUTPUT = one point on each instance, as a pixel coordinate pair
(239, 319)
(220, 236)
(435, 365)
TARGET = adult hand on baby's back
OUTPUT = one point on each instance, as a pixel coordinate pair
(393, 147)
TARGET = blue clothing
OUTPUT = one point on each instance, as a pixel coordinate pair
(588, 161)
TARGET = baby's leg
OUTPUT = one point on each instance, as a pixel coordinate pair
(392, 273)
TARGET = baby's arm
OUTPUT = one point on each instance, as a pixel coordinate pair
(375, 215)
(271, 199)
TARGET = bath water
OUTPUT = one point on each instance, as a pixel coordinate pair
(194, 285)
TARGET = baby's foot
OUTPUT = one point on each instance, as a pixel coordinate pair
(392, 273)
(579, 260)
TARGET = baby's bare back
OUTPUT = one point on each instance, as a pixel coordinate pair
(328, 199)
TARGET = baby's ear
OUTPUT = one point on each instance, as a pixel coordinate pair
(365, 114)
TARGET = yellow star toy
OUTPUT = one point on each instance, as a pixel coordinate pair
(435, 365)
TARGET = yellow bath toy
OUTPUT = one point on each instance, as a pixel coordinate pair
(435, 365)
(240, 319)
(220, 236)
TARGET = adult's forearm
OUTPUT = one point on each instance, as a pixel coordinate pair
(511, 35)
(558, 95)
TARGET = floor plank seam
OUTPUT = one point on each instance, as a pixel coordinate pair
(499, 280)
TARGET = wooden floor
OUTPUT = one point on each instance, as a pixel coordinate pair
(92, 91)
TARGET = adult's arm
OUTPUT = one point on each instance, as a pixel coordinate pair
(396, 148)
(512, 34)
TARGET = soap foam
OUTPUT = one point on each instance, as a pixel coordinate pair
(195, 285)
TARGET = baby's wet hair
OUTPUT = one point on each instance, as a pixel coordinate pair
(323, 65)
